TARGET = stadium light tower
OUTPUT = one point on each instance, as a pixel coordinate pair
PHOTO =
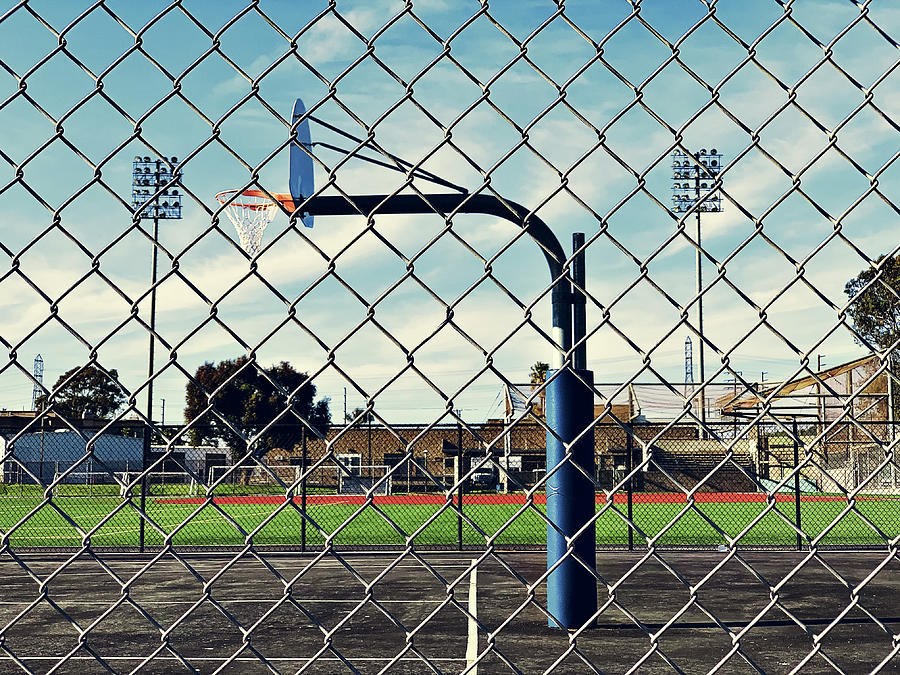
(154, 195)
(693, 189)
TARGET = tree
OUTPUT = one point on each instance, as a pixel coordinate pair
(875, 312)
(538, 376)
(91, 393)
(361, 413)
(538, 373)
(249, 402)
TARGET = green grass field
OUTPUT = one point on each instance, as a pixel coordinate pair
(390, 524)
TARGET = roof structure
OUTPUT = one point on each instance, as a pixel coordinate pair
(824, 394)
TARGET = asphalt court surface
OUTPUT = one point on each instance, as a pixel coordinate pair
(406, 624)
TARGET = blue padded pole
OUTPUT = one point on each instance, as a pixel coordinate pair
(571, 587)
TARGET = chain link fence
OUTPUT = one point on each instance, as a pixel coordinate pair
(712, 156)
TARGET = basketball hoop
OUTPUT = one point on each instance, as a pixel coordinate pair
(251, 211)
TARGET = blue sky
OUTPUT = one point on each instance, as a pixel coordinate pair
(93, 245)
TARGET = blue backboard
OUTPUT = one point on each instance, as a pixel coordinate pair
(301, 176)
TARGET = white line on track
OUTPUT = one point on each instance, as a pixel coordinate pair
(472, 640)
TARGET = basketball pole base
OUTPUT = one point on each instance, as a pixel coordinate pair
(571, 585)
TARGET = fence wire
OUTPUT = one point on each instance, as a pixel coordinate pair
(266, 529)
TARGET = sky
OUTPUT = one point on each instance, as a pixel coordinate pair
(88, 85)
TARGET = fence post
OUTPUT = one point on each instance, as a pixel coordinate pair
(303, 468)
(629, 466)
(145, 462)
(459, 490)
(797, 484)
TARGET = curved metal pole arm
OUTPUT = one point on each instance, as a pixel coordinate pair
(571, 557)
(443, 203)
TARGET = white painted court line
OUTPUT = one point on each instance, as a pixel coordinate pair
(472, 640)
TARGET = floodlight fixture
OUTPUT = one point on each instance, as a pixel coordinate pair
(155, 174)
(701, 171)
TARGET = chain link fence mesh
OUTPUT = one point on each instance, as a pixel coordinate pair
(264, 528)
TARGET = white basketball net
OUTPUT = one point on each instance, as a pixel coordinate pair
(250, 214)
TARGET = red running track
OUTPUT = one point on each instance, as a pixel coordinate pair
(515, 500)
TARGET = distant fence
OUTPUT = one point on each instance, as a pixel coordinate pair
(450, 486)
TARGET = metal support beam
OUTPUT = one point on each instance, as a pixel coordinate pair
(446, 204)
(579, 320)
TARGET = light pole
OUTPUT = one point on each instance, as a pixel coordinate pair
(693, 181)
(153, 195)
